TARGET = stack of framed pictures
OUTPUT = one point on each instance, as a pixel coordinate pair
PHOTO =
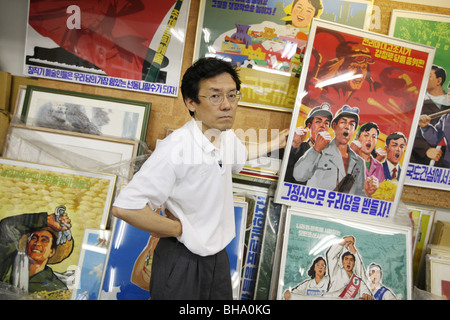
(438, 271)
(64, 154)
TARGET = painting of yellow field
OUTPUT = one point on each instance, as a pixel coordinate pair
(44, 211)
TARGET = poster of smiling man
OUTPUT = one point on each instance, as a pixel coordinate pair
(330, 258)
(130, 45)
(44, 211)
(354, 117)
(267, 39)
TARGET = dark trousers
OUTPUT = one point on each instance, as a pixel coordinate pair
(177, 273)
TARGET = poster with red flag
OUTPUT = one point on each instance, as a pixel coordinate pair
(131, 45)
(356, 110)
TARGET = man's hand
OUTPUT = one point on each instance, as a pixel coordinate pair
(61, 225)
(322, 140)
(424, 120)
(170, 216)
(299, 136)
(434, 154)
(370, 185)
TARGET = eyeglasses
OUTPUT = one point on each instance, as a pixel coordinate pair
(217, 99)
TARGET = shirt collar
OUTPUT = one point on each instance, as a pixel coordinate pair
(200, 138)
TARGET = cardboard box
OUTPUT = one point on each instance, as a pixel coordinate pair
(442, 233)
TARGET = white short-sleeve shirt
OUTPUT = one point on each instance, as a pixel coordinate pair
(192, 179)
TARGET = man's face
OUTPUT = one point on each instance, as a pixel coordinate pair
(348, 263)
(344, 129)
(395, 150)
(368, 140)
(358, 66)
(319, 124)
(220, 117)
(433, 82)
(302, 14)
(39, 247)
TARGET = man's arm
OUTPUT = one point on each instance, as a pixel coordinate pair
(263, 148)
(148, 220)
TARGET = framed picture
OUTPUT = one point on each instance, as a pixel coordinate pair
(267, 276)
(267, 39)
(429, 164)
(357, 99)
(438, 276)
(91, 264)
(36, 200)
(69, 149)
(257, 199)
(423, 220)
(84, 113)
(136, 46)
(129, 262)
(235, 249)
(326, 257)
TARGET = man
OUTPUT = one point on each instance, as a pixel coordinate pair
(318, 120)
(189, 175)
(36, 240)
(435, 100)
(395, 148)
(435, 134)
(346, 268)
(363, 145)
(331, 164)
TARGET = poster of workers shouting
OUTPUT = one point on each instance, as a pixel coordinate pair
(356, 110)
(328, 258)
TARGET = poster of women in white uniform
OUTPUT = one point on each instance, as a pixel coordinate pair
(328, 258)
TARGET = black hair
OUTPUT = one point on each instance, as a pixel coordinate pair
(205, 68)
(440, 73)
(367, 127)
(395, 136)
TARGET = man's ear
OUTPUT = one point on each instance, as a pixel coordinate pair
(190, 104)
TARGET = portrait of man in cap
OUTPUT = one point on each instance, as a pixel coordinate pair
(318, 120)
(331, 164)
(30, 243)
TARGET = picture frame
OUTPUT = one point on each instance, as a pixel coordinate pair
(85, 113)
(310, 240)
(257, 198)
(429, 166)
(91, 264)
(32, 196)
(262, 39)
(70, 149)
(267, 276)
(235, 249)
(368, 96)
(423, 221)
(138, 48)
